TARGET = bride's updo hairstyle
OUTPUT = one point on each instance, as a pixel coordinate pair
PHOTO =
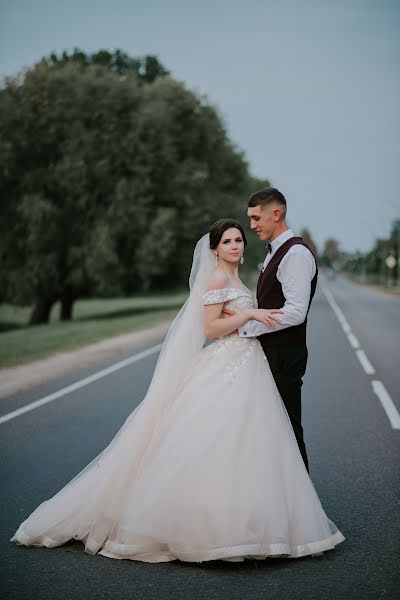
(218, 229)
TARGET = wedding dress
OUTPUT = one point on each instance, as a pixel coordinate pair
(206, 467)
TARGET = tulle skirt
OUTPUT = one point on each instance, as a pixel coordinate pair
(216, 474)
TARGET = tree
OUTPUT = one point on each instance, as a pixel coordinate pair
(331, 252)
(147, 69)
(61, 134)
(395, 248)
(111, 171)
(306, 235)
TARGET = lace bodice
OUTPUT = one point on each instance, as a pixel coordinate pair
(233, 350)
(234, 298)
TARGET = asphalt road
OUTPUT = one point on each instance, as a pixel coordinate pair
(354, 458)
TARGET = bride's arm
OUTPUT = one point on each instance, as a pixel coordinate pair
(216, 325)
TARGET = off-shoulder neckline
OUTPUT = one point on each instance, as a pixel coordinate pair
(246, 291)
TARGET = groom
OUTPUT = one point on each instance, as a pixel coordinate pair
(287, 280)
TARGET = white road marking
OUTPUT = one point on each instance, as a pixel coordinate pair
(353, 341)
(387, 403)
(338, 312)
(346, 327)
(333, 305)
(378, 387)
(362, 357)
(366, 365)
(79, 384)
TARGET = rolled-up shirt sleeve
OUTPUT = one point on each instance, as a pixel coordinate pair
(295, 274)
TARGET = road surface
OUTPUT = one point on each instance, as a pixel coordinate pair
(350, 402)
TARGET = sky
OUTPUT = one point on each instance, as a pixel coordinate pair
(309, 90)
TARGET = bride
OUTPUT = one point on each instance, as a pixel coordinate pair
(207, 466)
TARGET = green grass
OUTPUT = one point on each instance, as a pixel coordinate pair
(94, 320)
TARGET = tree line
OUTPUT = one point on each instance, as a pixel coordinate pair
(110, 171)
(380, 264)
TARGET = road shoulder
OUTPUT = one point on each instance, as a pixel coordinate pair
(23, 377)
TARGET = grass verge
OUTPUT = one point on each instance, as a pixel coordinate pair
(94, 320)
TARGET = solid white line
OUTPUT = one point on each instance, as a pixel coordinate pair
(79, 384)
(387, 403)
(365, 363)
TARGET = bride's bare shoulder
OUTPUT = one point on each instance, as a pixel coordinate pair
(218, 281)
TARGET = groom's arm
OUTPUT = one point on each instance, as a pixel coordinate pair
(295, 274)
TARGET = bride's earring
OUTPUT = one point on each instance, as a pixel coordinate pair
(216, 259)
(241, 260)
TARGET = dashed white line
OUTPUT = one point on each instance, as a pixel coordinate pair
(346, 327)
(365, 363)
(377, 386)
(362, 357)
(387, 403)
(333, 304)
(353, 341)
(79, 384)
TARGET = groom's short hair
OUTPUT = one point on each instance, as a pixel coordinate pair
(267, 196)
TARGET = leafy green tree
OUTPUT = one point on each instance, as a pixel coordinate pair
(61, 130)
(111, 170)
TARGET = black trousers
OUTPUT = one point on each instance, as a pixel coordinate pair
(288, 365)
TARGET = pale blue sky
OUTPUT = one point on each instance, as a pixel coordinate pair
(308, 89)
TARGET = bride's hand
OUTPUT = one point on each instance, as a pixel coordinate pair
(267, 316)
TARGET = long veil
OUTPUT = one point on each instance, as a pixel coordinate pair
(185, 337)
(103, 481)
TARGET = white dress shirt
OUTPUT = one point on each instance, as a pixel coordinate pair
(295, 273)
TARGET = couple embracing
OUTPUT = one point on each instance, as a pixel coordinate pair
(212, 463)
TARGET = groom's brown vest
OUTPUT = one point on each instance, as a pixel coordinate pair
(270, 295)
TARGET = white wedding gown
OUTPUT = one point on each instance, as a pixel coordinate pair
(216, 476)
